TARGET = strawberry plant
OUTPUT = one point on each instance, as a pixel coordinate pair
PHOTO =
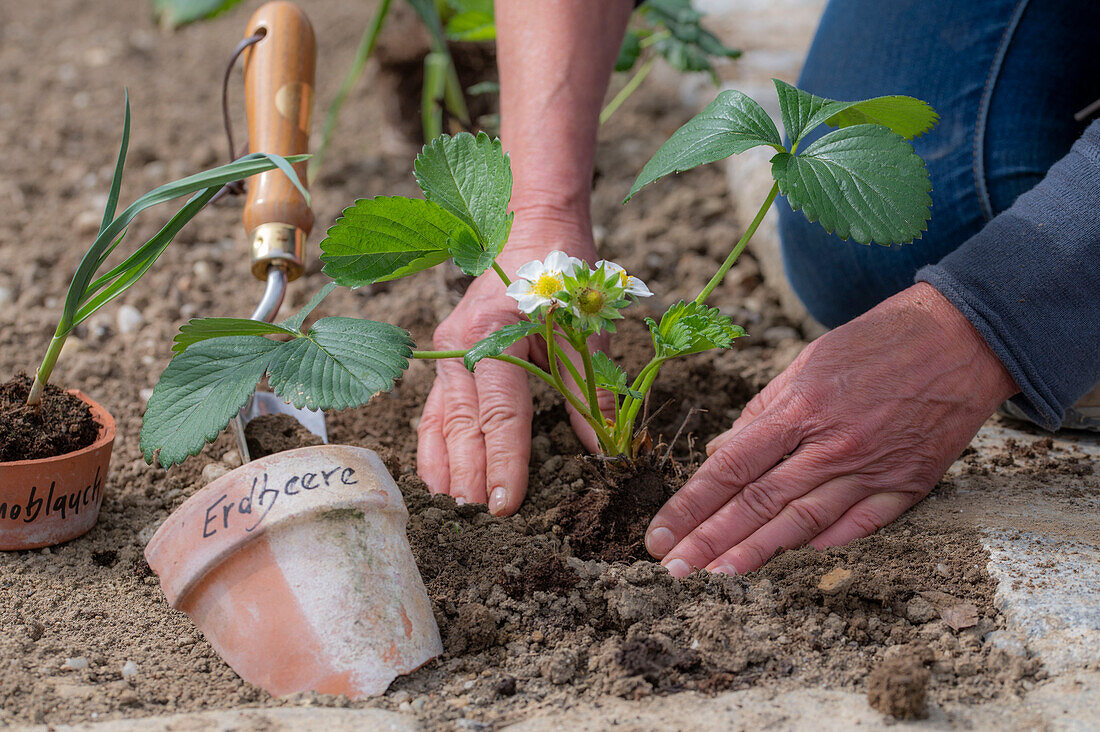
(862, 180)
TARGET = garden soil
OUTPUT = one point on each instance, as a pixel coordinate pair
(538, 612)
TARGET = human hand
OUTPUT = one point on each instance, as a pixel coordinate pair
(475, 433)
(858, 429)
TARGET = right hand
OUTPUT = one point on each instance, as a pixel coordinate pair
(475, 433)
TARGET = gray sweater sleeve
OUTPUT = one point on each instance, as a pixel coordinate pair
(1030, 284)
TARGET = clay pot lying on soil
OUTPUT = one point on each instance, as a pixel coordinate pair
(50, 500)
(297, 569)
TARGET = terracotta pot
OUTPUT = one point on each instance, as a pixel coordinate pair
(47, 501)
(297, 569)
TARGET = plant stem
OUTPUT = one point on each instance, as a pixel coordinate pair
(626, 91)
(624, 428)
(589, 377)
(632, 414)
(526, 365)
(552, 356)
(362, 54)
(740, 247)
(42, 376)
(500, 273)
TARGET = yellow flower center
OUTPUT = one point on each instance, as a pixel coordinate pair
(624, 278)
(548, 284)
(590, 301)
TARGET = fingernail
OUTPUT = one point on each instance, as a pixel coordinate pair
(678, 568)
(497, 498)
(460, 501)
(725, 569)
(659, 541)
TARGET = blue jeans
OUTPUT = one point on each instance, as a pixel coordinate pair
(1006, 77)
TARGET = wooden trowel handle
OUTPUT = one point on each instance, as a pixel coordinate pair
(278, 85)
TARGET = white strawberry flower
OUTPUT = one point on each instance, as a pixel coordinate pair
(537, 282)
(630, 284)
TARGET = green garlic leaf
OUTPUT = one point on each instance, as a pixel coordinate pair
(692, 328)
(471, 178)
(803, 112)
(729, 125)
(174, 13)
(863, 182)
(385, 238)
(496, 343)
(340, 363)
(199, 392)
(203, 329)
(294, 322)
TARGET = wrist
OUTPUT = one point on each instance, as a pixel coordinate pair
(540, 228)
(954, 329)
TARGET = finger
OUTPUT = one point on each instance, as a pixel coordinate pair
(431, 451)
(753, 452)
(865, 518)
(800, 521)
(504, 404)
(756, 407)
(462, 432)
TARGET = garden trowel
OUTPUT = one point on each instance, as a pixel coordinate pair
(278, 83)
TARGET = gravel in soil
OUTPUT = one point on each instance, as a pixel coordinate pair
(59, 424)
(535, 616)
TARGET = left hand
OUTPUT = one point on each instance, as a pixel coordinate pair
(858, 429)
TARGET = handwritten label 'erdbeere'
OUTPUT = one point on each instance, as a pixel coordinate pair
(265, 493)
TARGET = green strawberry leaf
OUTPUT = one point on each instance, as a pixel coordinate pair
(629, 51)
(340, 363)
(803, 112)
(469, 254)
(495, 343)
(199, 392)
(471, 178)
(907, 116)
(729, 125)
(385, 238)
(691, 328)
(609, 376)
(863, 182)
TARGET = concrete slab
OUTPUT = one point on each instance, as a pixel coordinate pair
(1068, 703)
(253, 720)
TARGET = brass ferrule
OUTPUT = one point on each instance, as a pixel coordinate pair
(276, 243)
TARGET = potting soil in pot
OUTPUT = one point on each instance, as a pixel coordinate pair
(60, 424)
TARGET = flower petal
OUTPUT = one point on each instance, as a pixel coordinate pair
(531, 270)
(609, 267)
(637, 288)
(530, 303)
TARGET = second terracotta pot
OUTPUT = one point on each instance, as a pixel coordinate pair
(297, 569)
(51, 500)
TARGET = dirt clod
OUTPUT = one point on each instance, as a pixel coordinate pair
(60, 424)
(608, 519)
(898, 687)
